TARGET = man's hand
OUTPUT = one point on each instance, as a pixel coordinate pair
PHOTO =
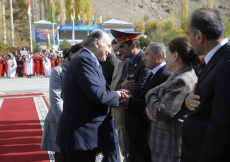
(125, 100)
(122, 93)
(192, 101)
(128, 84)
(149, 114)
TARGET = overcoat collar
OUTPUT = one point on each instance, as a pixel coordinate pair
(153, 81)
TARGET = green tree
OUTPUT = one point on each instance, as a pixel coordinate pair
(144, 42)
(164, 32)
(36, 46)
(64, 44)
(4, 48)
(227, 26)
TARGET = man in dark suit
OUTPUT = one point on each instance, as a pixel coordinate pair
(206, 130)
(85, 126)
(154, 59)
(132, 78)
(108, 67)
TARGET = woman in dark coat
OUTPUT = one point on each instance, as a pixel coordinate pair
(20, 63)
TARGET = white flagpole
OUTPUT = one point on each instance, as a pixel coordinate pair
(31, 45)
(53, 36)
(53, 29)
(58, 35)
(4, 21)
(73, 33)
(12, 23)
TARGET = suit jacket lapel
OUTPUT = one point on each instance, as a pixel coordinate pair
(212, 63)
(135, 62)
(153, 81)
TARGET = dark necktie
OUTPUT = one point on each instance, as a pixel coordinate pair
(149, 78)
(202, 65)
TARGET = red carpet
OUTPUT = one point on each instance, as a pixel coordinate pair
(20, 129)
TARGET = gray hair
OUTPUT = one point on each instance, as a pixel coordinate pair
(97, 34)
(157, 47)
(209, 22)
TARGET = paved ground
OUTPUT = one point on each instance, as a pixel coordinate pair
(25, 85)
(28, 85)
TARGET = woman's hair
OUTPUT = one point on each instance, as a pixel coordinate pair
(10, 56)
(75, 48)
(185, 51)
(65, 51)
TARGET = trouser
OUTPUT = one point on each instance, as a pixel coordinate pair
(58, 157)
(156, 157)
(77, 155)
(132, 155)
(112, 154)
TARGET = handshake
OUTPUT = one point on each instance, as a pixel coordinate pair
(124, 96)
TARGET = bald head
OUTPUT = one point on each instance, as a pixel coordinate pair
(97, 34)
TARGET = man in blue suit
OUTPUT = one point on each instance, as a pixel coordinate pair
(85, 126)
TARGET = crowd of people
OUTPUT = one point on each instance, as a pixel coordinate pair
(32, 64)
(169, 103)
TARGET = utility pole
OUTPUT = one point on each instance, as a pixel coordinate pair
(4, 21)
(12, 23)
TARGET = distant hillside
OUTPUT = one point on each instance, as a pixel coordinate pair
(126, 10)
(131, 10)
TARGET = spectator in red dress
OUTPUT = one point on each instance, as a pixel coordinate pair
(42, 72)
(1, 67)
(37, 63)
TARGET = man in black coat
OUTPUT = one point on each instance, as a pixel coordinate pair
(133, 79)
(154, 59)
(108, 67)
(206, 130)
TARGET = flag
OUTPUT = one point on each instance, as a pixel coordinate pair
(85, 17)
(51, 12)
(93, 21)
(66, 22)
(87, 22)
(28, 7)
(59, 19)
(101, 19)
(72, 11)
(64, 17)
(80, 22)
(79, 16)
(79, 19)
(48, 45)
